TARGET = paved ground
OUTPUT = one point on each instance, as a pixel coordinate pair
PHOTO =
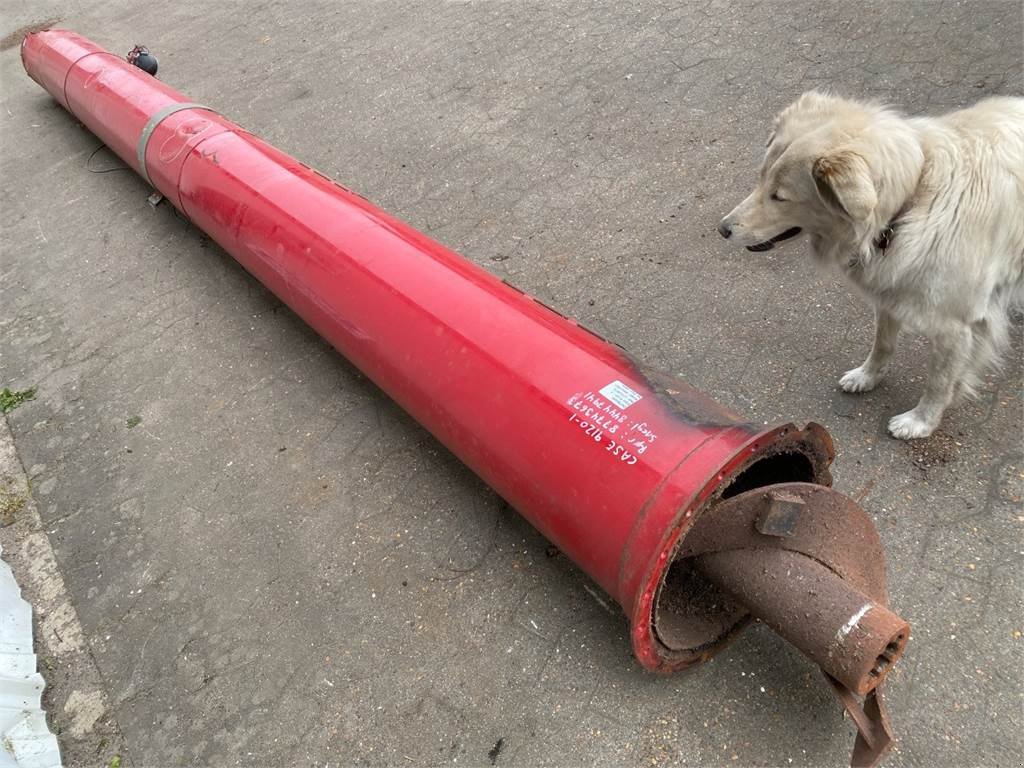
(276, 567)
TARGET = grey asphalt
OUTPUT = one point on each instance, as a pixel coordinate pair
(276, 566)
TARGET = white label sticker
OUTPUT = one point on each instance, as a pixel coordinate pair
(620, 394)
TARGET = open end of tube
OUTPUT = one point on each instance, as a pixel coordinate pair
(691, 615)
(781, 468)
(886, 659)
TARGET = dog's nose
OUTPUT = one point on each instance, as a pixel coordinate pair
(725, 230)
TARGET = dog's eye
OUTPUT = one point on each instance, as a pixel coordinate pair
(776, 198)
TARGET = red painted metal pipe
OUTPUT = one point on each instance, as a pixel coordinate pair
(610, 461)
(608, 464)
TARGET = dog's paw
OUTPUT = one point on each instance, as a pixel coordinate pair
(909, 425)
(859, 380)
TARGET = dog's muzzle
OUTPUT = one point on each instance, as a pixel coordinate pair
(767, 245)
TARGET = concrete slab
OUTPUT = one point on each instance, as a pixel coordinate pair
(274, 566)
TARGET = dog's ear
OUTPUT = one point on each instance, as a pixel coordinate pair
(844, 184)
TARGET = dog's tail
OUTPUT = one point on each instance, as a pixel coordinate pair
(1015, 298)
(991, 335)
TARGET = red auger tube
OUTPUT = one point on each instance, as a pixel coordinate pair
(613, 463)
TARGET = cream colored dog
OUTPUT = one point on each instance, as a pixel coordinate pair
(925, 216)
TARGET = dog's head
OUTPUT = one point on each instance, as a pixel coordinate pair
(831, 165)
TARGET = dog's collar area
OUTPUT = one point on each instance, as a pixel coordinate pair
(884, 238)
(881, 242)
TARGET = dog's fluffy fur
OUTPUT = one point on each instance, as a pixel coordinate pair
(951, 188)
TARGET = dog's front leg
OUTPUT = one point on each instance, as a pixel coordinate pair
(866, 377)
(951, 349)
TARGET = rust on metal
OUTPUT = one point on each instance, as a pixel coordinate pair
(781, 514)
(847, 633)
(806, 561)
(874, 731)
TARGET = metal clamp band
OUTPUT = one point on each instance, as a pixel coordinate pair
(154, 121)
